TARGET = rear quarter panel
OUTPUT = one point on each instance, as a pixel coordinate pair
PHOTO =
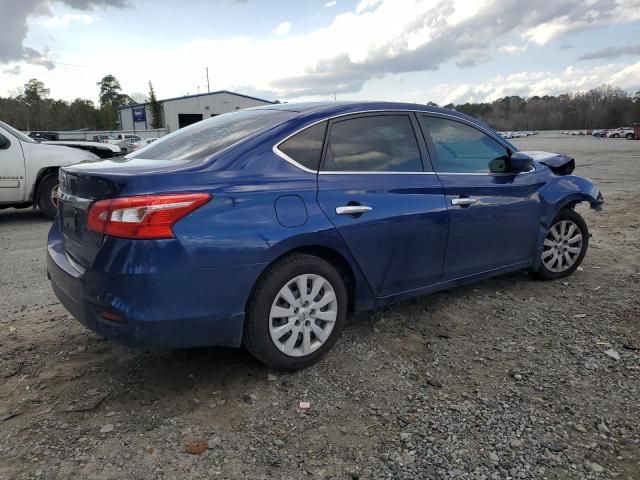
(240, 225)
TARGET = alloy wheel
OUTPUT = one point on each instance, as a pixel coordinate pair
(54, 195)
(303, 315)
(562, 246)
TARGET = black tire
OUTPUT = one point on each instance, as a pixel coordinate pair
(543, 273)
(45, 191)
(629, 136)
(615, 135)
(257, 337)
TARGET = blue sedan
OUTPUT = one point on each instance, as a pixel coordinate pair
(266, 227)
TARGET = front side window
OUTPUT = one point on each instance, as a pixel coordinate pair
(461, 148)
(305, 147)
(382, 143)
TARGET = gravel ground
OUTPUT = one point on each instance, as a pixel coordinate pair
(506, 378)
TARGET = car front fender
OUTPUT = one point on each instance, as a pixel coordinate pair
(564, 192)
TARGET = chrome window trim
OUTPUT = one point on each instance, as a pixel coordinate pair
(351, 172)
(290, 160)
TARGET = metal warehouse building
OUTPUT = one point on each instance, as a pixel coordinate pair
(182, 111)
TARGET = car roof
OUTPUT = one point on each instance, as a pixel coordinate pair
(315, 110)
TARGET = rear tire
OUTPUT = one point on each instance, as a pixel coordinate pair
(48, 196)
(564, 246)
(629, 136)
(272, 321)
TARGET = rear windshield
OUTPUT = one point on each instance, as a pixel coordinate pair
(207, 137)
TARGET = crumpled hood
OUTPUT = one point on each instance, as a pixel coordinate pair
(559, 163)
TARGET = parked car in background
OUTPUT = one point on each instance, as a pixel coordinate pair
(29, 169)
(141, 143)
(125, 144)
(266, 226)
(101, 138)
(116, 138)
(622, 132)
(41, 136)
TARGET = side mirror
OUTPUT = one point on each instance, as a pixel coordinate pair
(4, 142)
(520, 162)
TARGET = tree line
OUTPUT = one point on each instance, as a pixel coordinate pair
(602, 107)
(32, 109)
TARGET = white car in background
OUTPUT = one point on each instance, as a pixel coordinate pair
(622, 132)
(141, 143)
(125, 144)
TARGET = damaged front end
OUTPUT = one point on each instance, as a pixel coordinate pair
(559, 164)
(574, 189)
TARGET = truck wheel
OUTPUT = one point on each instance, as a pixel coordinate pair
(629, 136)
(48, 196)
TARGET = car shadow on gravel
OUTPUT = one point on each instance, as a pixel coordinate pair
(28, 215)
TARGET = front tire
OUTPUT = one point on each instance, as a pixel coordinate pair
(48, 196)
(296, 312)
(564, 246)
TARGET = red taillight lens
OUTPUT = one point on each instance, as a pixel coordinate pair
(146, 216)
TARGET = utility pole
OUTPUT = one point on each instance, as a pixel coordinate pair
(208, 89)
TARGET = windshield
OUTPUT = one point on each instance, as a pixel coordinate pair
(210, 136)
(19, 135)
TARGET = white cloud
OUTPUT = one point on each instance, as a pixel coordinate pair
(282, 28)
(513, 49)
(330, 4)
(529, 84)
(366, 5)
(375, 39)
(67, 18)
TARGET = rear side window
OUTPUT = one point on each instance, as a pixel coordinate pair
(204, 138)
(382, 143)
(461, 148)
(305, 147)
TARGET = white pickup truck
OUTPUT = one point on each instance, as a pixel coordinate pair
(29, 170)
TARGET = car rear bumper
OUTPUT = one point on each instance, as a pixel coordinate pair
(180, 307)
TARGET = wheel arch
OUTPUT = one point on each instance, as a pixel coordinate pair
(42, 175)
(332, 256)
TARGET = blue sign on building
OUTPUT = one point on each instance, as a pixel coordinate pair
(139, 114)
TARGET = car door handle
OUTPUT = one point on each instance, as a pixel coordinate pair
(353, 209)
(463, 201)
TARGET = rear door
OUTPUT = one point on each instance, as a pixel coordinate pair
(494, 216)
(387, 206)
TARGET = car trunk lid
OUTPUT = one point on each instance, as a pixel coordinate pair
(83, 184)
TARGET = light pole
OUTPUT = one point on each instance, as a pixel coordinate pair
(26, 113)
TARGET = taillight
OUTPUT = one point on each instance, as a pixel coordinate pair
(145, 216)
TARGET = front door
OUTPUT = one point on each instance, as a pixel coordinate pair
(390, 212)
(494, 216)
(12, 169)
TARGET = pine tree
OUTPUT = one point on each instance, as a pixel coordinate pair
(156, 113)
